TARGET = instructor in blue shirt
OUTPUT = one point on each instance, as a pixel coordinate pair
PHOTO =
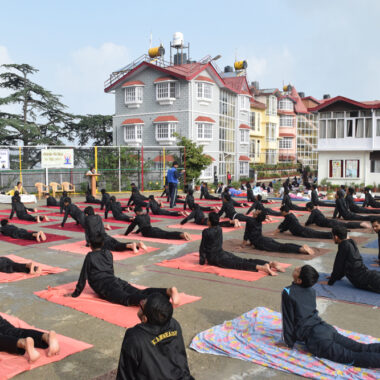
(173, 176)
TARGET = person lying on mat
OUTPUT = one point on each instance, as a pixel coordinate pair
(93, 225)
(98, 271)
(376, 228)
(349, 262)
(254, 234)
(189, 201)
(91, 199)
(22, 212)
(154, 348)
(316, 217)
(226, 192)
(143, 222)
(229, 210)
(211, 251)
(74, 211)
(117, 210)
(62, 202)
(157, 210)
(19, 341)
(205, 193)
(342, 211)
(20, 233)
(287, 201)
(315, 198)
(292, 224)
(200, 219)
(50, 200)
(369, 200)
(9, 266)
(301, 322)
(137, 198)
(352, 206)
(105, 199)
(258, 205)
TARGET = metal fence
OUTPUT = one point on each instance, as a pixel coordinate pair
(118, 166)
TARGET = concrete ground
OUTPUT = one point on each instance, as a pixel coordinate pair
(222, 299)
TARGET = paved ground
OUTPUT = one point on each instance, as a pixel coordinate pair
(222, 299)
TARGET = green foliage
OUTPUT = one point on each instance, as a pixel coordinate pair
(94, 129)
(236, 185)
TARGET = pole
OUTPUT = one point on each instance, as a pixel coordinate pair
(163, 165)
(96, 166)
(119, 172)
(184, 165)
(142, 168)
(19, 154)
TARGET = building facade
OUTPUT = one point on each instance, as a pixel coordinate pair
(257, 132)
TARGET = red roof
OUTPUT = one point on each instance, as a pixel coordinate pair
(163, 79)
(256, 104)
(299, 106)
(132, 121)
(282, 112)
(212, 158)
(244, 126)
(237, 84)
(244, 158)
(168, 158)
(164, 118)
(133, 83)
(203, 78)
(343, 99)
(287, 134)
(205, 118)
(312, 98)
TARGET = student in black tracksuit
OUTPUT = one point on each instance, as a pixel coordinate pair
(137, 199)
(352, 206)
(250, 196)
(157, 210)
(211, 251)
(74, 211)
(98, 271)
(301, 322)
(50, 201)
(286, 200)
(341, 210)
(315, 198)
(349, 262)
(206, 194)
(369, 199)
(229, 210)
(166, 193)
(226, 193)
(259, 206)
(91, 199)
(316, 217)
(117, 210)
(62, 202)
(20, 233)
(292, 224)
(143, 222)
(9, 266)
(376, 228)
(105, 199)
(22, 212)
(254, 234)
(189, 201)
(200, 219)
(154, 348)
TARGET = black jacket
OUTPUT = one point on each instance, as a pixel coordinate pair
(75, 212)
(93, 226)
(370, 201)
(211, 246)
(292, 224)
(189, 201)
(153, 352)
(51, 201)
(19, 209)
(228, 209)
(137, 199)
(12, 231)
(142, 221)
(316, 217)
(253, 230)
(196, 214)
(341, 209)
(154, 206)
(115, 208)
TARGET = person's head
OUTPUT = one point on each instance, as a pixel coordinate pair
(155, 310)
(4, 222)
(134, 190)
(19, 184)
(258, 184)
(16, 193)
(190, 192)
(133, 185)
(305, 276)
(248, 185)
(338, 194)
(138, 210)
(351, 190)
(343, 187)
(96, 241)
(213, 219)
(259, 197)
(151, 197)
(47, 195)
(103, 191)
(376, 225)
(309, 206)
(175, 164)
(284, 210)
(339, 234)
(367, 189)
(261, 215)
(89, 210)
(67, 201)
(113, 199)
(222, 184)
(314, 187)
(227, 197)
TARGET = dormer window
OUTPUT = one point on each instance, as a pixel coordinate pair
(286, 105)
(166, 127)
(133, 94)
(167, 90)
(244, 103)
(204, 89)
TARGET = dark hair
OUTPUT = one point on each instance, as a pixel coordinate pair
(309, 276)
(158, 309)
(96, 241)
(367, 189)
(309, 205)
(67, 200)
(314, 187)
(64, 194)
(351, 190)
(343, 187)
(16, 193)
(339, 194)
(227, 197)
(113, 198)
(259, 197)
(248, 185)
(175, 163)
(138, 208)
(340, 231)
(103, 191)
(213, 217)
(284, 208)
(261, 216)
(18, 183)
(190, 191)
(151, 197)
(134, 189)
(375, 220)
(4, 222)
(89, 210)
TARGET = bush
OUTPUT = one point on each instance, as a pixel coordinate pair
(236, 185)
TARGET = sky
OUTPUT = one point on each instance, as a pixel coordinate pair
(320, 47)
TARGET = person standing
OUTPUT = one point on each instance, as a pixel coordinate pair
(229, 178)
(173, 176)
(88, 175)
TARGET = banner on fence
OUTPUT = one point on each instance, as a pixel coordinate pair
(57, 158)
(4, 159)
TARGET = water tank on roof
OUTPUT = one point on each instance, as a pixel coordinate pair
(326, 96)
(287, 88)
(240, 65)
(157, 51)
(180, 59)
(301, 94)
(256, 84)
(228, 69)
(178, 39)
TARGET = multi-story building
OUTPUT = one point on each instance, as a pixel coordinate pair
(349, 140)
(257, 132)
(154, 100)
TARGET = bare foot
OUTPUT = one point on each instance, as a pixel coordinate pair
(43, 236)
(308, 250)
(47, 219)
(38, 236)
(134, 248)
(38, 219)
(53, 344)
(266, 268)
(31, 351)
(35, 210)
(107, 227)
(365, 225)
(276, 265)
(141, 245)
(186, 236)
(173, 293)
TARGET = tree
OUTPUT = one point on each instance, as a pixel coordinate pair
(41, 118)
(196, 160)
(94, 129)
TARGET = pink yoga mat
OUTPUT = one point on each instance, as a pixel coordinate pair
(134, 236)
(193, 226)
(17, 276)
(12, 365)
(168, 217)
(191, 262)
(88, 302)
(49, 239)
(80, 248)
(27, 222)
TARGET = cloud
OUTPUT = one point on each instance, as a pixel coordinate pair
(5, 57)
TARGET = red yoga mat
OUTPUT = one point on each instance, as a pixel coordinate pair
(27, 222)
(191, 262)
(80, 248)
(12, 365)
(88, 302)
(135, 236)
(193, 226)
(49, 239)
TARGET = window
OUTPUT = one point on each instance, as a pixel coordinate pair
(331, 129)
(286, 121)
(258, 121)
(204, 131)
(325, 115)
(134, 95)
(322, 129)
(167, 92)
(258, 150)
(340, 129)
(271, 157)
(378, 127)
(252, 120)
(286, 143)
(243, 167)
(204, 91)
(375, 166)
(271, 132)
(271, 109)
(338, 114)
(368, 127)
(165, 131)
(244, 103)
(244, 136)
(359, 128)
(285, 104)
(207, 173)
(349, 128)
(352, 168)
(133, 132)
(336, 168)
(252, 148)
(344, 168)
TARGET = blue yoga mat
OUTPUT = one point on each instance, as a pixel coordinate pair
(372, 244)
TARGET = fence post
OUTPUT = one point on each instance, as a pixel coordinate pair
(19, 154)
(119, 172)
(96, 165)
(184, 165)
(163, 165)
(142, 168)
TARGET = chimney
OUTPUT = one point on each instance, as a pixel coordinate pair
(301, 94)
(256, 85)
(326, 96)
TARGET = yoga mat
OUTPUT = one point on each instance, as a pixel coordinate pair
(372, 244)
(70, 226)
(369, 261)
(169, 217)
(111, 219)
(49, 239)
(88, 302)
(343, 290)
(295, 212)
(17, 276)
(80, 248)
(27, 222)
(253, 336)
(193, 226)
(12, 365)
(233, 245)
(191, 262)
(135, 236)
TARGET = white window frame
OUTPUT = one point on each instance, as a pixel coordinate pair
(244, 168)
(202, 129)
(137, 134)
(286, 143)
(271, 109)
(204, 91)
(285, 104)
(169, 136)
(244, 103)
(286, 121)
(207, 173)
(137, 99)
(168, 98)
(244, 136)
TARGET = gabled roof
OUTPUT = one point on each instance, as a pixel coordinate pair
(203, 78)
(161, 119)
(269, 91)
(133, 83)
(205, 118)
(256, 104)
(162, 79)
(336, 99)
(132, 121)
(238, 84)
(312, 99)
(299, 106)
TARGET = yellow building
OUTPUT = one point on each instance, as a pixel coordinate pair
(257, 132)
